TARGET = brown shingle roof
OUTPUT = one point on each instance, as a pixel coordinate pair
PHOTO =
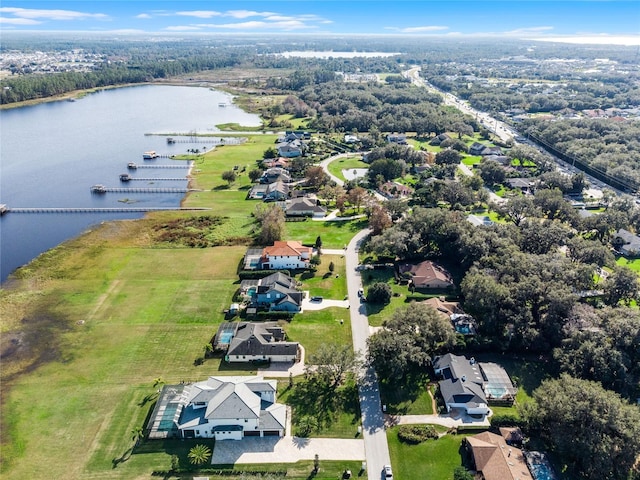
(426, 272)
(496, 460)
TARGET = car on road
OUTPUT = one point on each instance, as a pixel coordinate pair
(388, 474)
(316, 299)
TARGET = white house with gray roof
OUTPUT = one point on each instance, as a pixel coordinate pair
(231, 408)
(462, 386)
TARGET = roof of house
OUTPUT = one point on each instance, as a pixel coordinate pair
(445, 308)
(496, 460)
(232, 398)
(477, 147)
(306, 204)
(425, 273)
(629, 240)
(458, 366)
(278, 186)
(462, 391)
(277, 278)
(261, 339)
(519, 182)
(289, 248)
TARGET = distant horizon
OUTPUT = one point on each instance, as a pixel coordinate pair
(615, 22)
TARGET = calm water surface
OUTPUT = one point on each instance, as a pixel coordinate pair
(51, 154)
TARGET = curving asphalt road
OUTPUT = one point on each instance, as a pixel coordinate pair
(373, 421)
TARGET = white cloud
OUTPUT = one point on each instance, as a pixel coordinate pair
(255, 20)
(246, 14)
(426, 28)
(528, 30)
(18, 21)
(29, 13)
(143, 16)
(199, 13)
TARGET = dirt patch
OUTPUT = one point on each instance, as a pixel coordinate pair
(12, 345)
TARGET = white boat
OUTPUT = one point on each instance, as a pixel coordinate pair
(150, 155)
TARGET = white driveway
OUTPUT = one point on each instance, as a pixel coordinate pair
(309, 305)
(286, 450)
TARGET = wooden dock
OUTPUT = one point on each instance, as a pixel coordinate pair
(103, 189)
(99, 210)
(135, 166)
(143, 179)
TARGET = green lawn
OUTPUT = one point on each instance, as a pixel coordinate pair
(424, 145)
(632, 263)
(313, 329)
(409, 398)
(336, 411)
(430, 460)
(333, 234)
(347, 163)
(471, 160)
(325, 283)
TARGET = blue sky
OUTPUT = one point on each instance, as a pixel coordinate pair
(513, 18)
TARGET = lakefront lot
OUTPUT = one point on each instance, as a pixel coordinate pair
(91, 327)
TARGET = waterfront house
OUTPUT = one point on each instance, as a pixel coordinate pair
(255, 342)
(294, 148)
(278, 293)
(231, 408)
(286, 255)
(304, 207)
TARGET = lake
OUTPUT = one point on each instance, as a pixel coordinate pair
(52, 153)
(330, 54)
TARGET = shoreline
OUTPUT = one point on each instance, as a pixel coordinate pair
(190, 176)
(76, 94)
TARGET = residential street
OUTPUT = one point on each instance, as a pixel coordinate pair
(373, 421)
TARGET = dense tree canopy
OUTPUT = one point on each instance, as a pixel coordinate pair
(409, 340)
(594, 433)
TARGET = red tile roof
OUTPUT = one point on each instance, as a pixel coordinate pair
(289, 248)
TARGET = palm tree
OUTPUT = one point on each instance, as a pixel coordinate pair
(158, 382)
(199, 454)
(137, 434)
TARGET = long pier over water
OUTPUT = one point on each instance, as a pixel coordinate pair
(134, 166)
(98, 210)
(103, 189)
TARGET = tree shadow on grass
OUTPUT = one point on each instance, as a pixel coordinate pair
(398, 397)
(123, 458)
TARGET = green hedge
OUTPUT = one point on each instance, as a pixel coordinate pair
(415, 434)
(256, 274)
(275, 315)
(507, 420)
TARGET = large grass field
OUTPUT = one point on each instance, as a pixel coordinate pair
(90, 325)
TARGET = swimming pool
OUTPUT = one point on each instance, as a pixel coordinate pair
(540, 467)
(225, 337)
(542, 472)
